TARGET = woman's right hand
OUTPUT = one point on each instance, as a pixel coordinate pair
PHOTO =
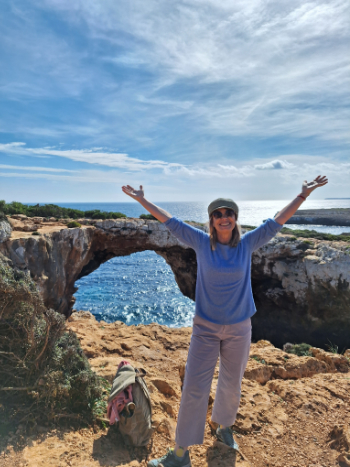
(139, 196)
(135, 194)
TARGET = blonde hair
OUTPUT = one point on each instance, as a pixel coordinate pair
(236, 234)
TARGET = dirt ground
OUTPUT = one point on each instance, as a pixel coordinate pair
(294, 411)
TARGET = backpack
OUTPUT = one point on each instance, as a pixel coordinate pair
(135, 425)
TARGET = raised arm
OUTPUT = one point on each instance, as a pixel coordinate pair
(307, 187)
(139, 196)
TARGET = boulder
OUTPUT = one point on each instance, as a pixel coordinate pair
(20, 217)
(24, 224)
(5, 230)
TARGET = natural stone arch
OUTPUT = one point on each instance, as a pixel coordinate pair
(301, 288)
(180, 258)
(57, 260)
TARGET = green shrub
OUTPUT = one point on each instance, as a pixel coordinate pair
(36, 233)
(258, 359)
(97, 214)
(116, 215)
(148, 216)
(315, 234)
(73, 224)
(302, 350)
(52, 210)
(44, 374)
(333, 348)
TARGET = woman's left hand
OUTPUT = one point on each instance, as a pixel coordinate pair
(309, 187)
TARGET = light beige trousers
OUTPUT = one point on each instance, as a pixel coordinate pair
(208, 342)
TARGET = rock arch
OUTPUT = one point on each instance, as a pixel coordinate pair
(301, 288)
(56, 260)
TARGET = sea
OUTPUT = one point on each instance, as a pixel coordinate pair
(141, 288)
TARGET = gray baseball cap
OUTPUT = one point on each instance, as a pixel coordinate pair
(222, 203)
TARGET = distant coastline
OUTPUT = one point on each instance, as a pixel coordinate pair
(333, 216)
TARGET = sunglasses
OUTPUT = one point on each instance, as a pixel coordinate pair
(219, 215)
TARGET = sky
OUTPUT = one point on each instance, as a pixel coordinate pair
(193, 99)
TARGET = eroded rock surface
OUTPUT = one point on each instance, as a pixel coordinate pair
(287, 419)
(301, 286)
(298, 416)
(5, 230)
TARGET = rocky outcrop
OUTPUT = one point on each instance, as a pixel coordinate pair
(301, 290)
(301, 398)
(301, 418)
(336, 216)
(292, 421)
(301, 286)
(58, 256)
(5, 230)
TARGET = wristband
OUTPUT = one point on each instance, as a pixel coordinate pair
(301, 196)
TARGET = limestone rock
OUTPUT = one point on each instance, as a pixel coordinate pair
(25, 224)
(300, 297)
(167, 426)
(37, 220)
(340, 438)
(19, 216)
(335, 362)
(5, 230)
(258, 372)
(287, 419)
(78, 315)
(164, 387)
(266, 363)
(344, 459)
(168, 408)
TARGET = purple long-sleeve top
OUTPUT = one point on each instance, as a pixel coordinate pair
(223, 289)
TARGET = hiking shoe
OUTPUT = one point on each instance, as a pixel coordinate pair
(171, 460)
(225, 436)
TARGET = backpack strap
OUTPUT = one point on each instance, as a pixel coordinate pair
(143, 385)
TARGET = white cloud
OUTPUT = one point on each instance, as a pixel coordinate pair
(253, 68)
(124, 162)
(273, 165)
(34, 169)
(124, 166)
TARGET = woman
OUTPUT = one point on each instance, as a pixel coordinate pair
(221, 326)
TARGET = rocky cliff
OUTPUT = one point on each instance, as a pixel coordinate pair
(301, 286)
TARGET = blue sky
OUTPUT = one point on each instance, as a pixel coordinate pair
(194, 99)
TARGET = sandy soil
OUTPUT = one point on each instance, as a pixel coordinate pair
(294, 411)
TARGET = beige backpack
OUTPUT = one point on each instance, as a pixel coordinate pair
(135, 422)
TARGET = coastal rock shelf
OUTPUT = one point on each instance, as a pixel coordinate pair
(301, 286)
(336, 216)
(294, 413)
(286, 399)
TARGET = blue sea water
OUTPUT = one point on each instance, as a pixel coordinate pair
(141, 288)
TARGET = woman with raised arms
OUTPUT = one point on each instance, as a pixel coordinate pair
(224, 306)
